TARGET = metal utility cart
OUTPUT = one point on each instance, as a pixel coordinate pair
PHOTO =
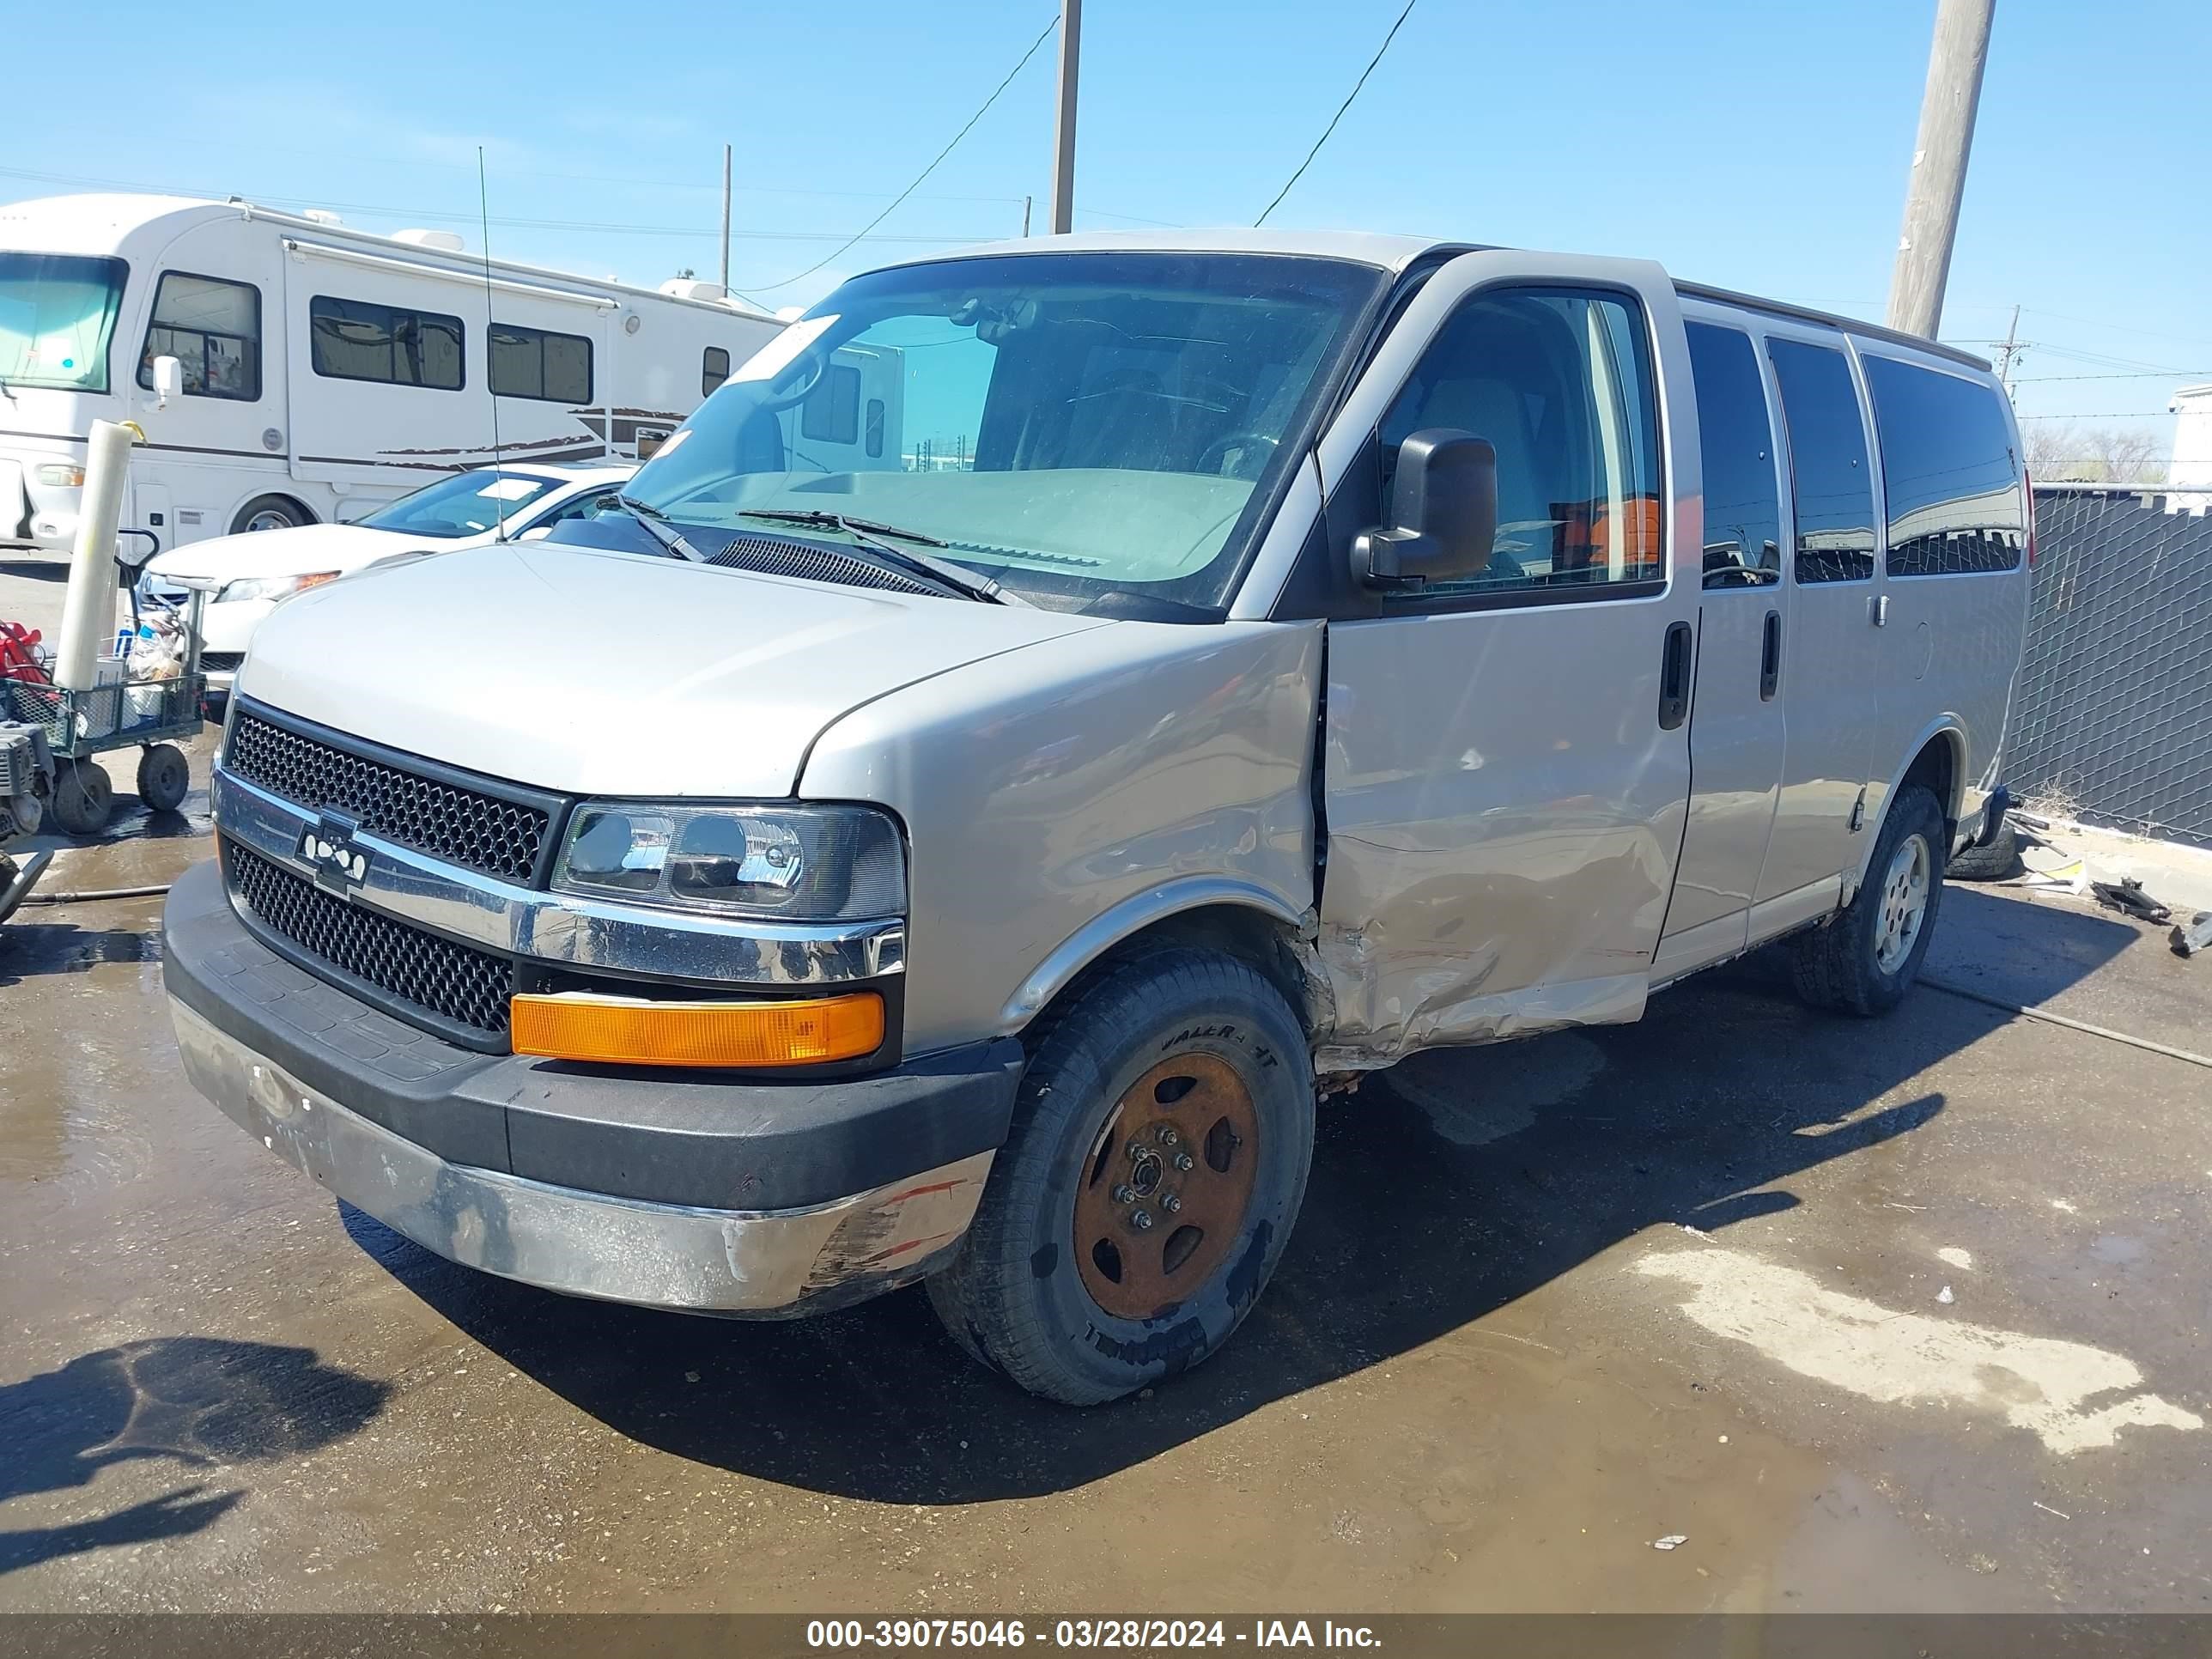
(148, 713)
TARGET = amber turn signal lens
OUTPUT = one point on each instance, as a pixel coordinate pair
(612, 1031)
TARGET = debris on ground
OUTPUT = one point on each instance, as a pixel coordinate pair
(2071, 877)
(2127, 893)
(2191, 937)
(1673, 1541)
(1945, 1296)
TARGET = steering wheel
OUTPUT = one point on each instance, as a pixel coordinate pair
(1211, 456)
(812, 367)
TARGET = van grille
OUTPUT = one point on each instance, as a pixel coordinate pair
(468, 827)
(434, 976)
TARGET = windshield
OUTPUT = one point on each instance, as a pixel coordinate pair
(57, 311)
(1071, 424)
(466, 504)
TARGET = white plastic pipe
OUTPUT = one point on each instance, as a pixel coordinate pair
(88, 607)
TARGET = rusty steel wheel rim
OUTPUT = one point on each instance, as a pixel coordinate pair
(1165, 1186)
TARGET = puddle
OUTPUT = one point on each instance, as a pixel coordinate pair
(1894, 1357)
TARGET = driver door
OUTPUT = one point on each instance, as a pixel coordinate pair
(1506, 756)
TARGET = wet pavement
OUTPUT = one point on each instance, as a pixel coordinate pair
(1904, 1315)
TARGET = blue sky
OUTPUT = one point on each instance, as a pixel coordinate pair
(1760, 146)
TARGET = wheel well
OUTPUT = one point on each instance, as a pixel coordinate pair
(1935, 767)
(1252, 936)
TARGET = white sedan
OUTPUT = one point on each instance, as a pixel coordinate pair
(246, 576)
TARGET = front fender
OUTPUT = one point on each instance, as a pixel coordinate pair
(1057, 798)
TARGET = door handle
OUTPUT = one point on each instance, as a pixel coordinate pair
(1770, 657)
(1674, 677)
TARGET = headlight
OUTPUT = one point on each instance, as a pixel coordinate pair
(794, 863)
(271, 587)
(60, 475)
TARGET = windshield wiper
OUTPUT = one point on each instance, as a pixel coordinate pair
(865, 532)
(660, 525)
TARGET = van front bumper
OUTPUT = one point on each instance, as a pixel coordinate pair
(764, 1199)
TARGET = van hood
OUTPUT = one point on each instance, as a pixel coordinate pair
(303, 551)
(604, 673)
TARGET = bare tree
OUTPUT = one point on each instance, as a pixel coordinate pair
(2062, 452)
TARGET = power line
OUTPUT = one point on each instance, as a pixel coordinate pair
(2116, 374)
(1045, 35)
(1339, 116)
(382, 209)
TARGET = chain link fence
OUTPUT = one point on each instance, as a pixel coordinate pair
(2112, 721)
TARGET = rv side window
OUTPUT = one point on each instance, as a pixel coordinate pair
(532, 362)
(211, 327)
(714, 369)
(1561, 386)
(831, 414)
(1827, 463)
(1744, 504)
(1947, 463)
(360, 340)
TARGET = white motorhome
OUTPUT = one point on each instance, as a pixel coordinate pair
(288, 370)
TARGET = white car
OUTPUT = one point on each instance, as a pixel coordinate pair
(246, 576)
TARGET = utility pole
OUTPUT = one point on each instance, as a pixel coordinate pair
(1063, 147)
(2010, 349)
(725, 220)
(1028, 202)
(1938, 179)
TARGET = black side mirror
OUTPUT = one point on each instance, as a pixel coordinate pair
(1442, 512)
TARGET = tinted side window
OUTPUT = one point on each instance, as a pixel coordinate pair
(714, 369)
(831, 413)
(1827, 463)
(1561, 386)
(1744, 504)
(213, 328)
(531, 362)
(359, 340)
(1947, 461)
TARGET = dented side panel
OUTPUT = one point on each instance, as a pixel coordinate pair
(1503, 813)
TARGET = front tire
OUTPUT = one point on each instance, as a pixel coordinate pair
(83, 797)
(270, 513)
(1176, 1087)
(1865, 960)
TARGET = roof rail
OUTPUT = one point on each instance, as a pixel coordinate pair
(1849, 325)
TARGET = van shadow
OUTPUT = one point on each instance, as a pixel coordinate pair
(1440, 1193)
(204, 1404)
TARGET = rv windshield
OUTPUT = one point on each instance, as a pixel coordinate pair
(57, 311)
(1071, 424)
(466, 504)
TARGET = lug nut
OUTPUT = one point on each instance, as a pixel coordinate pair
(1122, 1194)
(1182, 1161)
(1172, 1203)
(1141, 1220)
(1167, 1136)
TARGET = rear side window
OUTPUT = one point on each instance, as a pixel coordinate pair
(360, 340)
(1828, 471)
(714, 369)
(1743, 501)
(1560, 384)
(534, 362)
(1947, 464)
(213, 329)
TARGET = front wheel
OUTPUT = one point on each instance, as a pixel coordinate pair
(84, 796)
(164, 776)
(1865, 960)
(270, 513)
(1158, 1158)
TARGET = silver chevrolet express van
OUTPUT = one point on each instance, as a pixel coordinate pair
(959, 835)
